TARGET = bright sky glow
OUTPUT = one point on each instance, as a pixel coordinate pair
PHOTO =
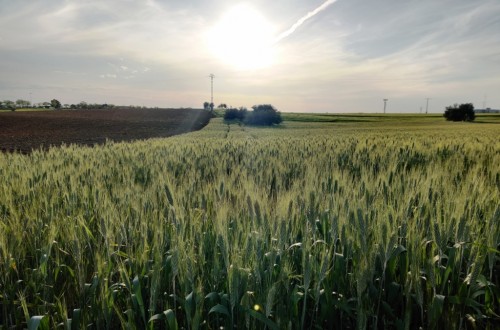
(300, 55)
(242, 38)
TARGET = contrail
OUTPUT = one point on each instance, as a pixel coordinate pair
(303, 19)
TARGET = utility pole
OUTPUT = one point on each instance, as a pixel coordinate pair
(212, 76)
(385, 104)
(427, 106)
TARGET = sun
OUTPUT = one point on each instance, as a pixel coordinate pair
(242, 38)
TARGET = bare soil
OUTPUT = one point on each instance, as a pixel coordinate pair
(25, 131)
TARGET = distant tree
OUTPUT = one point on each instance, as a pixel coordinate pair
(235, 114)
(206, 105)
(263, 114)
(462, 112)
(55, 104)
(22, 103)
(82, 105)
(222, 106)
(8, 105)
(211, 106)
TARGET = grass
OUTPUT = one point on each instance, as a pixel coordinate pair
(388, 222)
(379, 118)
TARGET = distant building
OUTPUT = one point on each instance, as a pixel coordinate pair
(487, 110)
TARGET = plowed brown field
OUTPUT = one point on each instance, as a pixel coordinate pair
(25, 131)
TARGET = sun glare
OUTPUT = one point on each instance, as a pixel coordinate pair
(242, 38)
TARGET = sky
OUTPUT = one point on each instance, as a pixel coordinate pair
(331, 56)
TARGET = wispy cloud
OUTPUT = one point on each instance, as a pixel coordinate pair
(338, 55)
(108, 75)
(304, 18)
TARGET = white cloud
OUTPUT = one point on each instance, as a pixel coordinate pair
(354, 53)
(304, 18)
(108, 75)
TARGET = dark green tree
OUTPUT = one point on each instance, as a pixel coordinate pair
(263, 115)
(8, 104)
(235, 114)
(462, 112)
(82, 105)
(55, 104)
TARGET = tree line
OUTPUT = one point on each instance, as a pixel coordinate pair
(53, 104)
(262, 115)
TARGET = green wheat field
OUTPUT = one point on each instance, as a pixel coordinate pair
(324, 222)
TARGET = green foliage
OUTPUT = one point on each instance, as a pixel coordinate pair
(84, 106)
(320, 225)
(8, 105)
(235, 114)
(23, 103)
(55, 104)
(263, 115)
(462, 112)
